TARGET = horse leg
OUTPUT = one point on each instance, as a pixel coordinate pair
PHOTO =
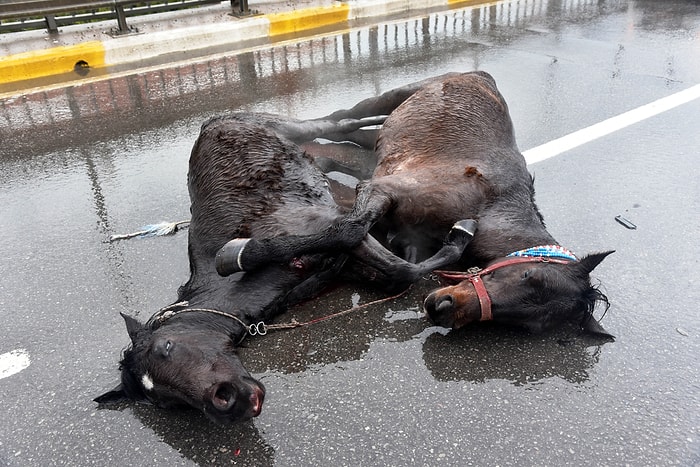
(373, 262)
(328, 164)
(385, 103)
(373, 107)
(247, 254)
(301, 131)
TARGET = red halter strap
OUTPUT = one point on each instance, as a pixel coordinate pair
(475, 278)
(483, 294)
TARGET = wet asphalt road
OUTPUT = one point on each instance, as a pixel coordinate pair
(381, 386)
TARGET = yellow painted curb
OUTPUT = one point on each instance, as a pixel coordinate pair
(308, 18)
(465, 3)
(57, 60)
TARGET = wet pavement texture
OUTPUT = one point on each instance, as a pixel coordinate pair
(379, 386)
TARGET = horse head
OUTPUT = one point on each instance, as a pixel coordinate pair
(535, 292)
(180, 362)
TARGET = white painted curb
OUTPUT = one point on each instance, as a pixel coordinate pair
(135, 48)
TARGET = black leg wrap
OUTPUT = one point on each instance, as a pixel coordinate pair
(228, 258)
(462, 230)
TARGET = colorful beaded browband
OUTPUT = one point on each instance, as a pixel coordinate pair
(546, 251)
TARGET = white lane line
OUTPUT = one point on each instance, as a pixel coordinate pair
(13, 362)
(585, 135)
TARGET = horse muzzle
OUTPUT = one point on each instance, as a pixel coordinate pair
(440, 309)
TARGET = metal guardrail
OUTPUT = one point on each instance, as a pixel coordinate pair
(40, 14)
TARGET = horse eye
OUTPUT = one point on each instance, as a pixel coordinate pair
(163, 348)
(534, 278)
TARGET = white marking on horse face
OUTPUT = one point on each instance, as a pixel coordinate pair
(147, 382)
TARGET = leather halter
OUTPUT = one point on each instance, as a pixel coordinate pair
(474, 276)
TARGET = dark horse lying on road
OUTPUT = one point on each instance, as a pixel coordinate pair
(249, 178)
(448, 153)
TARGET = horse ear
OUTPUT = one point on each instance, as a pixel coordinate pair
(133, 327)
(592, 326)
(111, 397)
(590, 262)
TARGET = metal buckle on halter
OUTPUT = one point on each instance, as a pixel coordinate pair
(259, 329)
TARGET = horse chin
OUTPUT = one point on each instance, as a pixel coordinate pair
(466, 316)
(442, 321)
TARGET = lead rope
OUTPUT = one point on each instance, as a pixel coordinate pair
(261, 329)
(295, 324)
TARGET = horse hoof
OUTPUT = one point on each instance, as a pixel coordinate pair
(464, 227)
(228, 258)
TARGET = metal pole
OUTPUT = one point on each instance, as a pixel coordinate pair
(121, 19)
(51, 24)
(242, 7)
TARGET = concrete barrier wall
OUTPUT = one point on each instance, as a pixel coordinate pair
(114, 51)
(131, 49)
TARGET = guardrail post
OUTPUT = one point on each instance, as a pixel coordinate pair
(242, 5)
(121, 19)
(51, 24)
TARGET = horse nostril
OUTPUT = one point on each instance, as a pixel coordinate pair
(256, 401)
(224, 397)
(444, 303)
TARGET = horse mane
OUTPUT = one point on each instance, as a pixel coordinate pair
(532, 199)
(591, 297)
(130, 384)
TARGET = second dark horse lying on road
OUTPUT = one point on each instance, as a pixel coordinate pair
(448, 153)
(249, 178)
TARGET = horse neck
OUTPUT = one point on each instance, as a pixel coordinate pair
(255, 300)
(212, 320)
(503, 232)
